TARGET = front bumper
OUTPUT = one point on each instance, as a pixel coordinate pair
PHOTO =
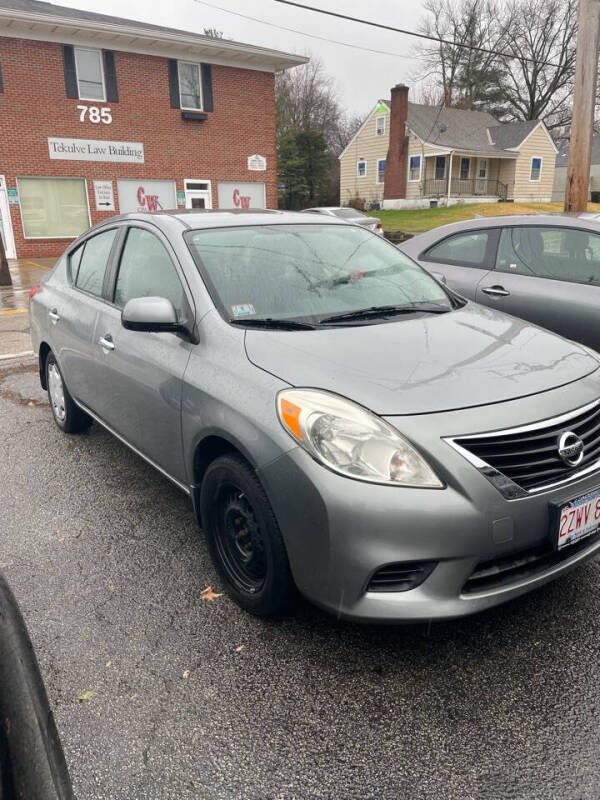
(339, 531)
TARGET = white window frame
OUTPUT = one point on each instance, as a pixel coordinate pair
(479, 162)
(415, 180)
(460, 177)
(361, 161)
(55, 178)
(541, 160)
(435, 177)
(80, 96)
(379, 160)
(199, 68)
(381, 116)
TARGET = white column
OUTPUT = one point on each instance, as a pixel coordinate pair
(450, 175)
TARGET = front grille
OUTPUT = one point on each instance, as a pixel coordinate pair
(529, 457)
(509, 569)
(400, 577)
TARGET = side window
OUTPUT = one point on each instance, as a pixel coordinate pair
(93, 261)
(565, 254)
(146, 270)
(464, 249)
(74, 261)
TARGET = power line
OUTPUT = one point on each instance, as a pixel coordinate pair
(427, 36)
(303, 33)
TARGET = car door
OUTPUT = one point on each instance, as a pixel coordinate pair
(464, 259)
(139, 394)
(549, 275)
(73, 309)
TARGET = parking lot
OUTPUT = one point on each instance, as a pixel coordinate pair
(192, 698)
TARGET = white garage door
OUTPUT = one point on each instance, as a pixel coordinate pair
(241, 195)
(145, 195)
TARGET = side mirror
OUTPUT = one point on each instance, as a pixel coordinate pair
(151, 314)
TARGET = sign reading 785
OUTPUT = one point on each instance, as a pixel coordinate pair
(95, 114)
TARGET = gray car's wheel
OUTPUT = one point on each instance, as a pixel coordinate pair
(244, 538)
(69, 417)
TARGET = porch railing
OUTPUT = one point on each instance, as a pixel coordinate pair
(466, 187)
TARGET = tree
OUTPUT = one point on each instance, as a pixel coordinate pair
(303, 167)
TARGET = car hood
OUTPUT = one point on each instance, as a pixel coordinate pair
(426, 363)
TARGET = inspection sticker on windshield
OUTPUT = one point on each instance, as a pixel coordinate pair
(242, 309)
(578, 518)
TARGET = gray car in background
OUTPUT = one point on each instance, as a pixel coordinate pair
(344, 424)
(351, 215)
(542, 268)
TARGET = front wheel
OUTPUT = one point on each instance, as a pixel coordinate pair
(68, 416)
(244, 538)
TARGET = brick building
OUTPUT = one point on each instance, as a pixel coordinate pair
(101, 115)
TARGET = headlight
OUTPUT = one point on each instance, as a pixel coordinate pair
(351, 440)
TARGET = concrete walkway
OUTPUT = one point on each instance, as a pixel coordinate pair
(14, 300)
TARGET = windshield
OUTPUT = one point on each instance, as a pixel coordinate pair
(307, 272)
(347, 213)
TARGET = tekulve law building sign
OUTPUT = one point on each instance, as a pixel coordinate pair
(96, 150)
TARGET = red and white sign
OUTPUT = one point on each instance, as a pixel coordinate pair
(143, 195)
(241, 195)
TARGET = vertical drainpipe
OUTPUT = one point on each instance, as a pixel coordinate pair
(450, 175)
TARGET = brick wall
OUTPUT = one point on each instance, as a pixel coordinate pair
(34, 107)
(396, 165)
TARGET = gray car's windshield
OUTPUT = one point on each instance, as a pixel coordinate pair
(308, 272)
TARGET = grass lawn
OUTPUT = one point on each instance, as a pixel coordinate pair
(416, 220)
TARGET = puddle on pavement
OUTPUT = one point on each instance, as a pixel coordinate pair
(21, 385)
(24, 274)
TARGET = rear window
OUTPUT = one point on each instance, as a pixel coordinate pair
(465, 249)
(93, 261)
(348, 213)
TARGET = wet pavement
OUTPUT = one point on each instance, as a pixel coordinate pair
(189, 698)
(14, 300)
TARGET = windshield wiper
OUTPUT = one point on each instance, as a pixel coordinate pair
(274, 324)
(385, 311)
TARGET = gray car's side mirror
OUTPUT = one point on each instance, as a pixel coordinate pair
(151, 314)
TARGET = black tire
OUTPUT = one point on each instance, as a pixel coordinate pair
(68, 416)
(244, 539)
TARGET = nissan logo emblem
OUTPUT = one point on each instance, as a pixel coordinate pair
(570, 449)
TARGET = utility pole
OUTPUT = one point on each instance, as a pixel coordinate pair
(584, 101)
(5, 279)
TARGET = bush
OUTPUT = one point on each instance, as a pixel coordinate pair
(356, 202)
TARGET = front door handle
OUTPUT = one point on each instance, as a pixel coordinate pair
(496, 291)
(106, 342)
(54, 316)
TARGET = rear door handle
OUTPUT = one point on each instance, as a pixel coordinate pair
(54, 316)
(496, 291)
(106, 342)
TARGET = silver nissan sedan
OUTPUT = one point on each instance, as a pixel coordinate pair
(345, 425)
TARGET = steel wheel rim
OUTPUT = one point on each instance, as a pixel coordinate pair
(239, 540)
(56, 390)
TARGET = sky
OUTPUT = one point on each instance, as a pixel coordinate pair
(361, 77)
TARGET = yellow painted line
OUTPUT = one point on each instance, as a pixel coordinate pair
(6, 312)
(40, 266)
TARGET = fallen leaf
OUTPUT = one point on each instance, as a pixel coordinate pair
(61, 540)
(86, 696)
(31, 403)
(240, 648)
(109, 663)
(186, 674)
(208, 594)
(111, 587)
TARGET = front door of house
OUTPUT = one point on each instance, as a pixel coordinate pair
(6, 233)
(197, 194)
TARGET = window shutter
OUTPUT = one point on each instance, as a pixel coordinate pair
(1, 81)
(110, 76)
(174, 83)
(207, 92)
(70, 73)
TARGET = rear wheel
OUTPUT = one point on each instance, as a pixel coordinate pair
(69, 417)
(244, 538)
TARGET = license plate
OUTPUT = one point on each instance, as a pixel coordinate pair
(576, 519)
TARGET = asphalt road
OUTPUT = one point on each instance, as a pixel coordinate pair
(105, 558)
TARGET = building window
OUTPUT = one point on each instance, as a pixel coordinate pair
(379, 126)
(190, 85)
(53, 208)
(482, 169)
(90, 75)
(465, 168)
(361, 169)
(536, 169)
(440, 168)
(381, 170)
(414, 168)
